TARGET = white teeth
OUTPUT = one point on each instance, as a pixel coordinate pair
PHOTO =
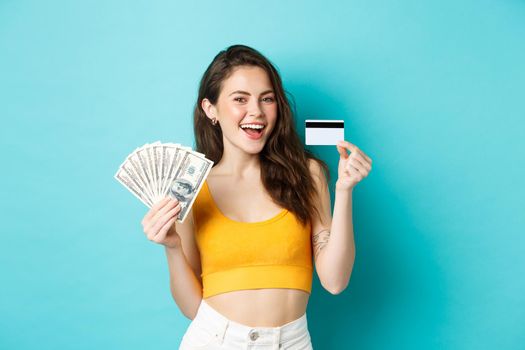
(252, 126)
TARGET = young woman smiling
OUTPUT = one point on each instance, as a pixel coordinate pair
(241, 265)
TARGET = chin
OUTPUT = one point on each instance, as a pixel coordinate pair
(254, 149)
(252, 146)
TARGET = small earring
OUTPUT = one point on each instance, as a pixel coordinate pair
(214, 121)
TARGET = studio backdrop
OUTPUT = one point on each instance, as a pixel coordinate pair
(432, 91)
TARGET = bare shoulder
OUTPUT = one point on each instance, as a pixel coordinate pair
(318, 175)
(315, 168)
(186, 231)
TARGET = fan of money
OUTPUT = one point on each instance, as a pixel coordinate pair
(157, 170)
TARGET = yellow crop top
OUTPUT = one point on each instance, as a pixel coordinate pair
(274, 253)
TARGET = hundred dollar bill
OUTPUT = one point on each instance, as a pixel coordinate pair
(124, 178)
(145, 155)
(178, 153)
(152, 162)
(127, 168)
(154, 170)
(138, 169)
(202, 155)
(156, 150)
(144, 166)
(163, 167)
(170, 169)
(188, 181)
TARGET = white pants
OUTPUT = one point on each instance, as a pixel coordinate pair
(212, 330)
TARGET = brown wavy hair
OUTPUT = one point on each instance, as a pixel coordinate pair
(284, 161)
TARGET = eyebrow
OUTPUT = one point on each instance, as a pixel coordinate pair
(247, 93)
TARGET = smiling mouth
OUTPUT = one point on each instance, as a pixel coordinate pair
(252, 126)
(253, 131)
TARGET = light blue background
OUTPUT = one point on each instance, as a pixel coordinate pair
(432, 91)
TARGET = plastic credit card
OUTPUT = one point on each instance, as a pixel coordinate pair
(324, 132)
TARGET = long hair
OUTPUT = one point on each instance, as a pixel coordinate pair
(284, 161)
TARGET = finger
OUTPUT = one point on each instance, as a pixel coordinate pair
(351, 168)
(367, 157)
(168, 206)
(364, 156)
(350, 146)
(164, 230)
(161, 211)
(165, 219)
(358, 166)
(162, 221)
(342, 152)
(161, 203)
(362, 160)
(153, 210)
(353, 148)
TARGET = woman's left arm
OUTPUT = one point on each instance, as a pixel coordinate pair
(334, 245)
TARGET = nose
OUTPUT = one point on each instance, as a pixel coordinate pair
(255, 109)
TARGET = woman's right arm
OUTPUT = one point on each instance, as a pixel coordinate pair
(182, 255)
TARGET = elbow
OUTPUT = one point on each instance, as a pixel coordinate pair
(189, 314)
(195, 309)
(333, 289)
(337, 290)
(337, 287)
(188, 310)
(337, 284)
(190, 317)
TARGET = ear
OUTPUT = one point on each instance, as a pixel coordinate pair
(209, 109)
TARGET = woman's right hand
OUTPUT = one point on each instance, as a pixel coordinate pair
(158, 223)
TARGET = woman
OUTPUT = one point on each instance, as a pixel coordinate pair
(241, 264)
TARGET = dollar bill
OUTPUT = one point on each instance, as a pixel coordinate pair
(124, 178)
(163, 167)
(146, 161)
(172, 151)
(137, 167)
(188, 180)
(156, 170)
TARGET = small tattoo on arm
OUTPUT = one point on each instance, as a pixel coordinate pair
(320, 239)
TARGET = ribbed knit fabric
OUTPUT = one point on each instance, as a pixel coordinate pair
(274, 253)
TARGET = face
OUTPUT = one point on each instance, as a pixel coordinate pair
(246, 98)
(180, 190)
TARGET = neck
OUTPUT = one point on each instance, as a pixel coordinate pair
(238, 164)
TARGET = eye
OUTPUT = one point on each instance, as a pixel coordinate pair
(268, 99)
(239, 98)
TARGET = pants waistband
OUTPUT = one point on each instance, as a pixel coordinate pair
(224, 327)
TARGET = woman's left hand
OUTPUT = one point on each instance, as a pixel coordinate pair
(352, 168)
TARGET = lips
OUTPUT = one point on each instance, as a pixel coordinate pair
(253, 134)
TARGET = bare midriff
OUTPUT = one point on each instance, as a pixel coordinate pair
(269, 307)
